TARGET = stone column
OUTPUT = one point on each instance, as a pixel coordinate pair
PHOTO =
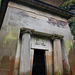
(58, 66)
(25, 53)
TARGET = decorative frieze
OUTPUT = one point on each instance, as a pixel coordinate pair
(39, 41)
(43, 43)
(57, 23)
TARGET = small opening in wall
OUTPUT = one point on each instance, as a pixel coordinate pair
(39, 63)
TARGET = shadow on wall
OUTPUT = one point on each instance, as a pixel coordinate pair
(72, 59)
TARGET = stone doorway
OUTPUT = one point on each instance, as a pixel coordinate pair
(39, 63)
(38, 51)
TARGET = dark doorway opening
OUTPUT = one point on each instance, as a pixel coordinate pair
(39, 63)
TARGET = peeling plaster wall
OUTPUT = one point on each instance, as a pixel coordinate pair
(18, 16)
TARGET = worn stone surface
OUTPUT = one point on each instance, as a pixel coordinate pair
(49, 62)
(66, 65)
(17, 58)
(31, 60)
(37, 23)
(58, 66)
(25, 55)
(41, 42)
(8, 45)
(34, 19)
(68, 45)
(72, 59)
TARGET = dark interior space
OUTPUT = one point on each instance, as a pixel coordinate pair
(39, 63)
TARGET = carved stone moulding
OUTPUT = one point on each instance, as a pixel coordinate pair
(33, 32)
(26, 30)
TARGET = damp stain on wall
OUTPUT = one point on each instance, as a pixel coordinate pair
(68, 45)
(9, 37)
(6, 65)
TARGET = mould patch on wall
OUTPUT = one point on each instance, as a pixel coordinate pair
(69, 45)
(9, 37)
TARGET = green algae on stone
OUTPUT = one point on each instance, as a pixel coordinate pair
(9, 37)
(59, 73)
(69, 45)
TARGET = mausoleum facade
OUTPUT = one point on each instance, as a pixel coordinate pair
(35, 39)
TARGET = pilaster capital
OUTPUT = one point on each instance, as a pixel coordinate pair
(55, 36)
(26, 30)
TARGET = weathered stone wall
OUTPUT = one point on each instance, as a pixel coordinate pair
(72, 59)
(8, 45)
(43, 22)
(18, 16)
